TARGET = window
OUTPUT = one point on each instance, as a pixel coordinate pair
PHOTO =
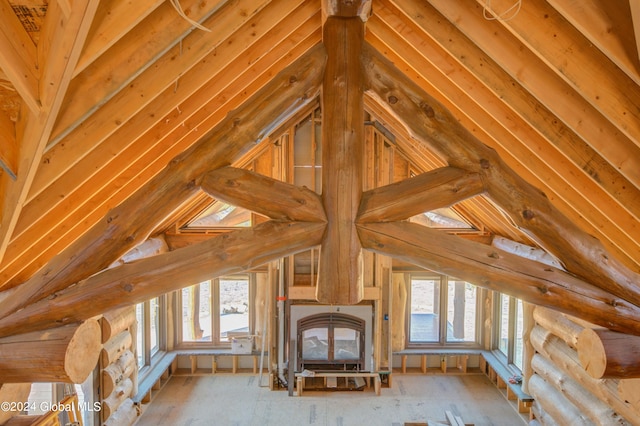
(154, 324)
(442, 310)
(216, 310)
(150, 316)
(307, 154)
(233, 307)
(140, 348)
(503, 324)
(424, 310)
(196, 313)
(509, 334)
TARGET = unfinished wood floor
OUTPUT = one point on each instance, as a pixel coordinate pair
(227, 399)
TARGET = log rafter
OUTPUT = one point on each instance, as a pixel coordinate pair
(528, 207)
(141, 280)
(498, 270)
(425, 50)
(479, 79)
(131, 222)
(177, 131)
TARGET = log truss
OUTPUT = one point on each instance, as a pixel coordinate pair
(596, 279)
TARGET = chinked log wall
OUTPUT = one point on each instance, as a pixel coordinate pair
(565, 392)
(119, 369)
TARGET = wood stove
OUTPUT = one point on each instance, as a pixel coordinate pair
(335, 339)
(331, 341)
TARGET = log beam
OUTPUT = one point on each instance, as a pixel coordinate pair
(605, 354)
(264, 195)
(428, 191)
(500, 271)
(65, 354)
(339, 270)
(428, 121)
(130, 223)
(147, 278)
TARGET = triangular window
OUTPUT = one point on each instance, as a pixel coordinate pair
(221, 215)
(445, 218)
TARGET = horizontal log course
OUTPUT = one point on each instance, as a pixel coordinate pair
(113, 322)
(12, 392)
(556, 350)
(558, 324)
(629, 391)
(541, 415)
(607, 354)
(115, 373)
(555, 404)
(120, 394)
(65, 354)
(598, 411)
(126, 414)
(114, 348)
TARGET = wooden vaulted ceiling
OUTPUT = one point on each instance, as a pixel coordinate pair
(97, 99)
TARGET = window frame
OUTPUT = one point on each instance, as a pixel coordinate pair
(214, 307)
(507, 358)
(149, 354)
(443, 309)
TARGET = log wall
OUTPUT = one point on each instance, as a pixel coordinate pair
(565, 392)
(119, 367)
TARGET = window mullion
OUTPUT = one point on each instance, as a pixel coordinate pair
(512, 329)
(444, 300)
(215, 309)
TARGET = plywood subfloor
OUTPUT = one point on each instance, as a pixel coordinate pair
(238, 400)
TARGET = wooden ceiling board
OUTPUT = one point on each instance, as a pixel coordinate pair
(228, 92)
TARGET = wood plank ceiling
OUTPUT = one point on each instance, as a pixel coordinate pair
(97, 98)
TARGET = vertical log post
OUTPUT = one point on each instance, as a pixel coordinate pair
(528, 351)
(398, 311)
(339, 276)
